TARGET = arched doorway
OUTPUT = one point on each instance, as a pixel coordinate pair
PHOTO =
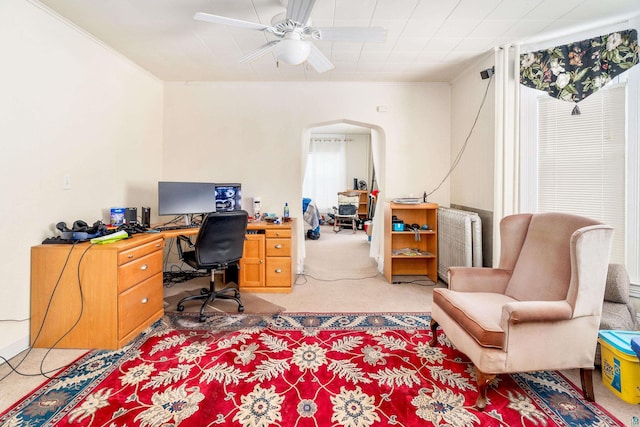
(377, 150)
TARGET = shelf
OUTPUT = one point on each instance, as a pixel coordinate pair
(424, 262)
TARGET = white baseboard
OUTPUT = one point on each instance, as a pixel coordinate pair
(13, 349)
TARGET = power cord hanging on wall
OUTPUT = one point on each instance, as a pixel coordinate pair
(455, 162)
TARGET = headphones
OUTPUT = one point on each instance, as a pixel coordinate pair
(80, 230)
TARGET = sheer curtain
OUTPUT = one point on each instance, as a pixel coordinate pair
(326, 171)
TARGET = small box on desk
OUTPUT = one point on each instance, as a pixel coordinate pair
(117, 216)
(620, 365)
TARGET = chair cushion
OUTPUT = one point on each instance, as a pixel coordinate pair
(478, 313)
(617, 289)
(543, 269)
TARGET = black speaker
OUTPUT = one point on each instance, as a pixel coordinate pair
(131, 216)
(146, 217)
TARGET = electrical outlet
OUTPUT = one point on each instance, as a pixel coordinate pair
(66, 182)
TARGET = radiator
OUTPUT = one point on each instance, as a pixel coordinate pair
(459, 240)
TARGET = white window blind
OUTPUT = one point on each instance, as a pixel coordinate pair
(581, 160)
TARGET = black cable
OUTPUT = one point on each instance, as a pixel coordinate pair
(454, 164)
(44, 374)
(415, 282)
(333, 280)
(46, 313)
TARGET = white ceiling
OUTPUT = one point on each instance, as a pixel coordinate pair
(427, 40)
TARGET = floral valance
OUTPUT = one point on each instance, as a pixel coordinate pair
(576, 70)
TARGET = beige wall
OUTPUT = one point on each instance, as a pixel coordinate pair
(472, 180)
(69, 106)
(253, 133)
(359, 162)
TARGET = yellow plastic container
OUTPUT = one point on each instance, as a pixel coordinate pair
(620, 365)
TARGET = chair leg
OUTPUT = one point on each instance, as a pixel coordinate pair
(483, 381)
(586, 379)
(353, 225)
(434, 336)
(209, 295)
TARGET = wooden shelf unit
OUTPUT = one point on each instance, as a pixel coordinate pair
(363, 207)
(426, 262)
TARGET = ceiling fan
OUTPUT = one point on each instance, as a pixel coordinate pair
(293, 31)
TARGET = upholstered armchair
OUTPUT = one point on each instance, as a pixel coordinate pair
(539, 309)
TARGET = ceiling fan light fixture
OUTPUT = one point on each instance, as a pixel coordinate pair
(292, 51)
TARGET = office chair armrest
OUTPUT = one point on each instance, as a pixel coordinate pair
(184, 239)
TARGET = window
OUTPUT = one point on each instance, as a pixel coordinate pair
(587, 164)
(325, 174)
(581, 160)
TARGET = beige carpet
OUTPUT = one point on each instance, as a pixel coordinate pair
(251, 301)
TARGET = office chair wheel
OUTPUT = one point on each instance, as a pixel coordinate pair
(202, 319)
(181, 307)
(240, 308)
(204, 291)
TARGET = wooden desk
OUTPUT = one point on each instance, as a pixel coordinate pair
(114, 291)
(268, 263)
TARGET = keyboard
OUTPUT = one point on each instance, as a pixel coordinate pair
(176, 227)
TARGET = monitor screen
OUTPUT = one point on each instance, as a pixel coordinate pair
(184, 198)
(228, 197)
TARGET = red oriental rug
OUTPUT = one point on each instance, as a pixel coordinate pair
(352, 370)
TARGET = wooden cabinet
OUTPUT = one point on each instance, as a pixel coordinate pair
(267, 261)
(251, 273)
(409, 253)
(95, 296)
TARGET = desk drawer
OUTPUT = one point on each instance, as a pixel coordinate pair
(139, 251)
(136, 271)
(278, 272)
(278, 233)
(137, 304)
(278, 247)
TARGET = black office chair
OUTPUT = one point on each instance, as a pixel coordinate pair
(220, 244)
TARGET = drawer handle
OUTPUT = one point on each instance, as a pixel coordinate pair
(130, 256)
(278, 246)
(277, 234)
(158, 245)
(145, 300)
(261, 261)
(144, 267)
(278, 270)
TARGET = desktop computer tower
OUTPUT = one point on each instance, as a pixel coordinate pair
(146, 217)
(131, 216)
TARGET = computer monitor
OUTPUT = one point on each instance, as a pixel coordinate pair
(228, 197)
(186, 198)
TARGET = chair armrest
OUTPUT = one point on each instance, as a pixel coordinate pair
(182, 239)
(535, 311)
(478, 279)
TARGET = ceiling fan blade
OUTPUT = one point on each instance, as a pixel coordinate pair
(318, 60)
(229, 21)
(300, 10)
(262, 50)
(353, 34)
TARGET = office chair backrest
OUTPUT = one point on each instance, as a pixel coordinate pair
(221, 238)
